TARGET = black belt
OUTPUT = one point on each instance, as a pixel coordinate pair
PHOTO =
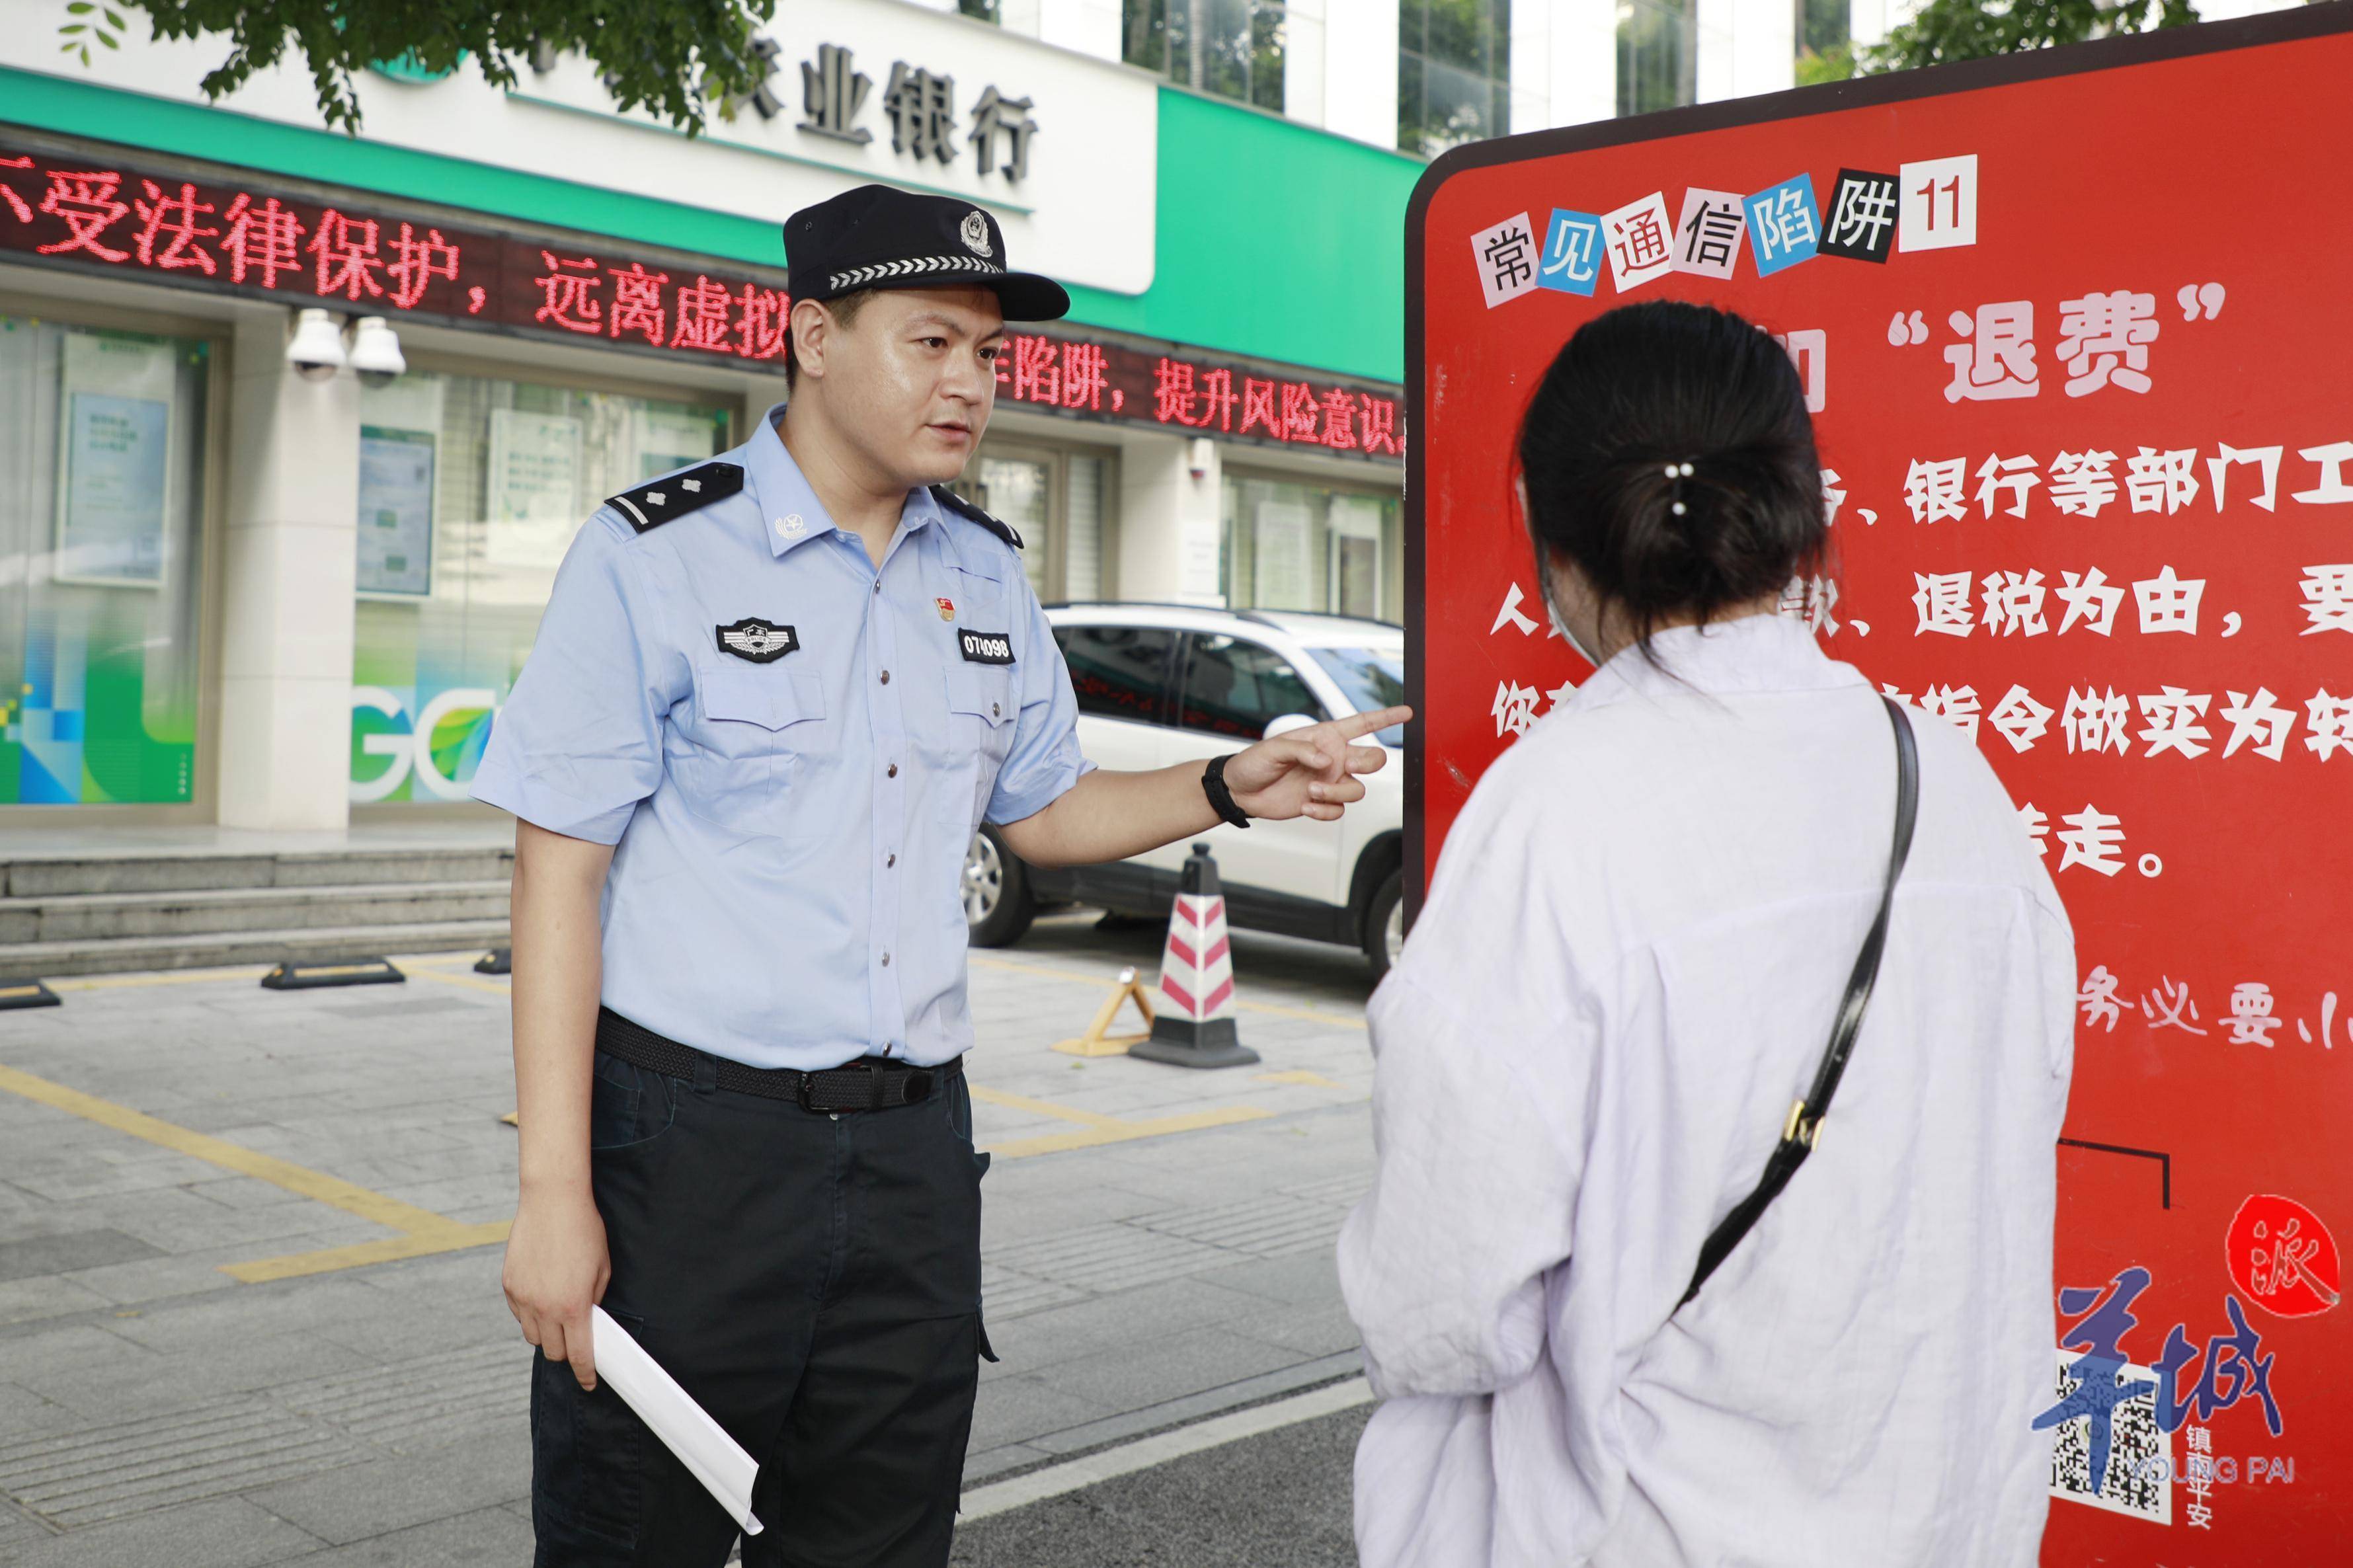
(869, 1083)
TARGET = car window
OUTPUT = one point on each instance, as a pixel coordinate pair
(1371, 678)
(1234, 688)
(1118, 672)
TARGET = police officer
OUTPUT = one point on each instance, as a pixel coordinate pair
(772, 696)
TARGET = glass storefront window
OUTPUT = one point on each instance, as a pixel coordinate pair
(1454, 73)
(1057, 499)
(1233, 49)
(1825, 41)
(1019, 490)
(1658, 56)
(470, 491)
(1310, 547)
(101, 491)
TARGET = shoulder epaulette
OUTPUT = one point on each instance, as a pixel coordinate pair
(962, 507)
(657, 501)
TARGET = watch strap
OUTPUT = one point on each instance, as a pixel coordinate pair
(1221, 799)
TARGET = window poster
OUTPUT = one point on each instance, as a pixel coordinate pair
(671, 438)
(114, 468)
(395, 513)
(534, 489)
(400, 435)
(1282, 567)
(1355, 573)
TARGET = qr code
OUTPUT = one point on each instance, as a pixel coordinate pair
(2139, 1477)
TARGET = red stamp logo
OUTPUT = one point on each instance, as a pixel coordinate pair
(2282, 1256)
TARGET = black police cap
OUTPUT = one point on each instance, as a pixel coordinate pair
(877, 236)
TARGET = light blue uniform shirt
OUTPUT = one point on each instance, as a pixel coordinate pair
(790, 834)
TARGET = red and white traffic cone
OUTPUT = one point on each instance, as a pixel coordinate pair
(1194, 1024)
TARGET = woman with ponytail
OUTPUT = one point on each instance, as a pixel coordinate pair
(1633, 1295)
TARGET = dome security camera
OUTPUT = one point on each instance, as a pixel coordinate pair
(316, 349)
(376, 352)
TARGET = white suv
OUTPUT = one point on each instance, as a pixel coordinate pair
(1160, 684)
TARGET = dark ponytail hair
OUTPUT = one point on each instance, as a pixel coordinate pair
(1638, 392)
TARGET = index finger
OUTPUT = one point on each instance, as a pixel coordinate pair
(1365, 723)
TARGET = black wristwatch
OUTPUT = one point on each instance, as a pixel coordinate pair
(1221, 799)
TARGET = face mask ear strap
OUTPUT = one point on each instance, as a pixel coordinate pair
(1552, 610)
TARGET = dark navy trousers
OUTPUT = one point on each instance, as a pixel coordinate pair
(814, 1281)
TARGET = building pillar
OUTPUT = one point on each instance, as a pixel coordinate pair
(1088, 27)
(1171, 524)
(287, 573)
(1303, 65)
(1530, 43)
(1870, 21)
(1360, 70)
(1745, 48)
(1578, 65)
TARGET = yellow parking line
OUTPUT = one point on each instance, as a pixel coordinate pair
(448, 1237)
(471, 982)
(1300, 1076)
(1310, 1013)
(1015, 967)
(1097, 1128)
(1124, 1132)
(421, 1230)
(166, 977)
(407, 963)
(1045, 1108)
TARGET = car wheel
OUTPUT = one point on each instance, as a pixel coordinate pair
(1385, 923)
(998, 908)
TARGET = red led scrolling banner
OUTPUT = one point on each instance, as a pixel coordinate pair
(84, 210)
(2087, 441)
(1122, 385)
(73, 209)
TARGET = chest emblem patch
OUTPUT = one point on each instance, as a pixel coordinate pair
(762, 642)
(947, 608)
(986, 647)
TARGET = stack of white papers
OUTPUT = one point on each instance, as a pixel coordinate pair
(717, 1460)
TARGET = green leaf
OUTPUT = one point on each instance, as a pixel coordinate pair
(70, 28)
(108, 39)
(116, 17)
(680, 59)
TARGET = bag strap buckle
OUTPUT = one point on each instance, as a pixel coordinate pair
(1801, 1128)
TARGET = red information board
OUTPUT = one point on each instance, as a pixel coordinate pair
(2076, 327)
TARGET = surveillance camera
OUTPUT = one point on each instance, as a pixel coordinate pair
(316, 349)
(376, 352)
(1202, 453)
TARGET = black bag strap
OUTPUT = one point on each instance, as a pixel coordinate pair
(1805, 1122)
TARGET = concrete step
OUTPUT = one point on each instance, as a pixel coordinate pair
(144, 871)
(49, 960)
(86, 917)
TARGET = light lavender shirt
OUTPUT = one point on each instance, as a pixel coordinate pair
(1625, 974)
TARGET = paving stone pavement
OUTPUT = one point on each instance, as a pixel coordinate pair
(154, 1409)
